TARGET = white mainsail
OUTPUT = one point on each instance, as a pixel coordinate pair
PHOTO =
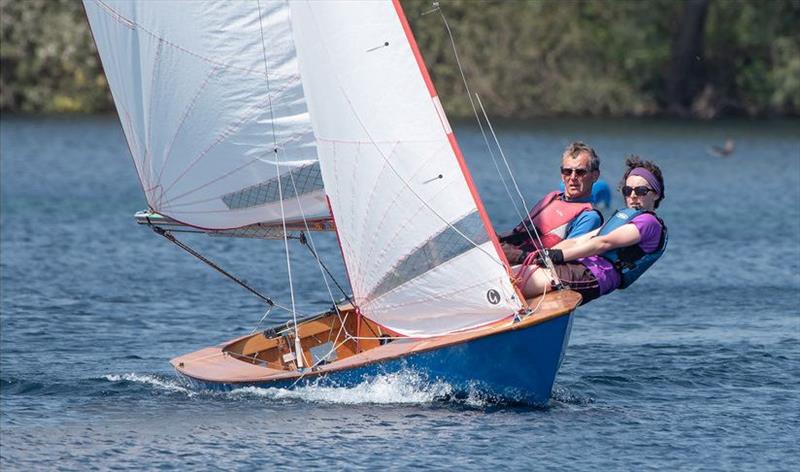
(416, 247)
(207, 91)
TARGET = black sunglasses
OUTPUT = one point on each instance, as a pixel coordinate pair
(580, 172)
(640, 191)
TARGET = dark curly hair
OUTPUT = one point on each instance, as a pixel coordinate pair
(634, 161)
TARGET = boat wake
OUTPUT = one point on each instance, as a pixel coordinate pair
(565, 396)
(404, 387)
(394, 388)
(160, 384)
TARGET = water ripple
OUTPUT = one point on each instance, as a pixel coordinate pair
(695, 367)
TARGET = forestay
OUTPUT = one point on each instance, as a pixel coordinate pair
(416, 247)
(210, 98)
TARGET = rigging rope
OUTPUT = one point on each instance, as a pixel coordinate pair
(219, 269)
(297, 347)
(323, 266)
(261, 320)
(312, 248)
(548, 262)
(436, 8)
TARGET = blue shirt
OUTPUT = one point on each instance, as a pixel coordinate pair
(601, 194)
(585, 222)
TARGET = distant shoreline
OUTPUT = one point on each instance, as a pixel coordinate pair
(542, 59)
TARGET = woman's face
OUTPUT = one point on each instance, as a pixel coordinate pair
(639, 202)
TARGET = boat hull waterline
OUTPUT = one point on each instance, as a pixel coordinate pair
(508, 361)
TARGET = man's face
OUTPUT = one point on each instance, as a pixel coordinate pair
(577, 177)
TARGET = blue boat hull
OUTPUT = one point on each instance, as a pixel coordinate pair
(514, 365)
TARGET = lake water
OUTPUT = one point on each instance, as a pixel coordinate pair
(696, 367)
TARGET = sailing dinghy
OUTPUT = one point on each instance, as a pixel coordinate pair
(275, 119)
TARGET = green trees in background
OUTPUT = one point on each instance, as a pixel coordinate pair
(48, 62)
(753, 56)
(615, 57)
(702, 58)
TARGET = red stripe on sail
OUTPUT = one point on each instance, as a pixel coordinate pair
(413, 43)
(451, 137)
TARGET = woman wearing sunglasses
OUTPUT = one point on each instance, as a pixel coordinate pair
(614, 255)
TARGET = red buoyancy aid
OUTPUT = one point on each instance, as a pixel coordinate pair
(551, 216)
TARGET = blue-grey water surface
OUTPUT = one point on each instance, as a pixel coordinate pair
(696, 367)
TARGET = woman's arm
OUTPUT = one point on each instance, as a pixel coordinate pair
(625, 235)
(567, 243)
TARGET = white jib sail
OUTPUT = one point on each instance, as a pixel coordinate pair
(206, 92)
(416, 249)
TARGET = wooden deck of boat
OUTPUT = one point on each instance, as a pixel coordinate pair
(229, 362)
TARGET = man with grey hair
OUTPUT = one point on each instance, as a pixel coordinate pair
(560, 215)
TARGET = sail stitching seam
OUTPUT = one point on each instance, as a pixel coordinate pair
(218, 197)
(131, 145)
(149, 131)
(376, 228)
(178, 129)
(383, 156)
(139, 27)
(401, 227)
(225, 134)
(439, 296)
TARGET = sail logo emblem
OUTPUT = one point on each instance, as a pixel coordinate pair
(493, 296)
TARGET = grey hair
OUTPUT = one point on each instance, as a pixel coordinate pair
(577, 148)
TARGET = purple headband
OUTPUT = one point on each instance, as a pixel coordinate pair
(649, 177)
